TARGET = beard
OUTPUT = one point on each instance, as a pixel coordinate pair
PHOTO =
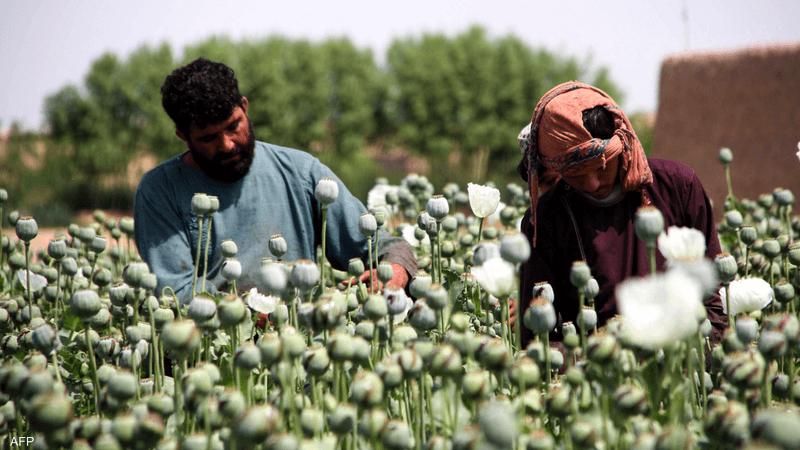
(221, 168)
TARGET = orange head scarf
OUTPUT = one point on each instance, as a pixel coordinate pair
(559, 143)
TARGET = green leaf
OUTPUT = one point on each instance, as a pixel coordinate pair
(71, 322)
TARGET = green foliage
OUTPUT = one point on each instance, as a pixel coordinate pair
(458, 101)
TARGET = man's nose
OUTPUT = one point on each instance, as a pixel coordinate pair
(227, 144)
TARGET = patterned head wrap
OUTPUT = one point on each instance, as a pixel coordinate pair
(556, 142)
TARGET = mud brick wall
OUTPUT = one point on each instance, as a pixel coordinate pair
(747, 100)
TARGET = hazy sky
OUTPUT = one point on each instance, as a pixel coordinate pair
(45, 45)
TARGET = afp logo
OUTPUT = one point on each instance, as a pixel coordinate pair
(22, 441)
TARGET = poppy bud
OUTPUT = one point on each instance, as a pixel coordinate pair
(748, 235)
(649, 224)
(438, 207)
(367, 389)
(725, 155)
(342, 419)
(580, 274)
(367, 224)
(277, 245)
(84, 304)
(231, 270)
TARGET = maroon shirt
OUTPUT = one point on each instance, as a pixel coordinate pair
(571, 228)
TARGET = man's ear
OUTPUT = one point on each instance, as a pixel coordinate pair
(244, 104)
(181, 135)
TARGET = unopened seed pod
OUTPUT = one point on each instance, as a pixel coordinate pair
(343, 419)
(201, 204)
(649, 224)
(273, 277)
(437, 296)
(201, 308)
(134, 272)
(419, 284)
(231, 311)
(540, 317)
(525, 373)
(26, 228)
(84, 304)
(305, 275)
(231, 270)
(247, 357)
(579, 274)
(277, 245)
(367, 225)
(181, 336)
(601, 348)
(438, 207)
(326, 191)
(256, 423)
(367, 389)
(421, 316)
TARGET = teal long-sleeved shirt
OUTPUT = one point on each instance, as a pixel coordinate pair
(275, 197)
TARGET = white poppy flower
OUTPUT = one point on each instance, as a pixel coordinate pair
(660, 309)
(496, 276)
(38, 282)
(483, 199)
(407, 231)
(682, 244)
(261, 303)
(495, 216)
(376, 197)
(747, 295)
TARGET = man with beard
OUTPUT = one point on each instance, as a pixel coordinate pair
(263, 190)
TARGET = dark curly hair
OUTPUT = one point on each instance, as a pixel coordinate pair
(202, 93)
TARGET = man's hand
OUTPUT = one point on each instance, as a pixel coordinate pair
(399, 278)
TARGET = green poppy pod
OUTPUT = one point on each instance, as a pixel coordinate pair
(375, 307)
(201, 308)
(499, 424)
(98, 244)
(256, 423)
(601, 348)
(372, 423)
(540, 317)
(134, 272)
(102, 277)
(57, 249)
(726, 266)
(590, 289)
(421, 316)
(446, 361)
(397, 435)
(419, 284)
(366, 389)
(326, 191)
(385, 271)
(201, 204)
(122, 385)
(771, 248)
(273, 278)
(515, 248)
(367, 225)
(3, 196)
(355, 267)
(117, 293)
(438, 207)
(50, 411)
(410, 362)
(26, 228)
(13, 217)
(228, 248)
(277, 245)
(783, 197)
(476, 385)
(343, 419)
(579, 274)
(734, 219)
(126, 225)
(305, 275)
(181, 336)
(495, 355)
(84, 304)
(231, 311)
(46, 340)
(231, 270)
(449, 224)
(649, 224)
(316, 361)
(725, 155)
(437, 296)
(247, 357)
